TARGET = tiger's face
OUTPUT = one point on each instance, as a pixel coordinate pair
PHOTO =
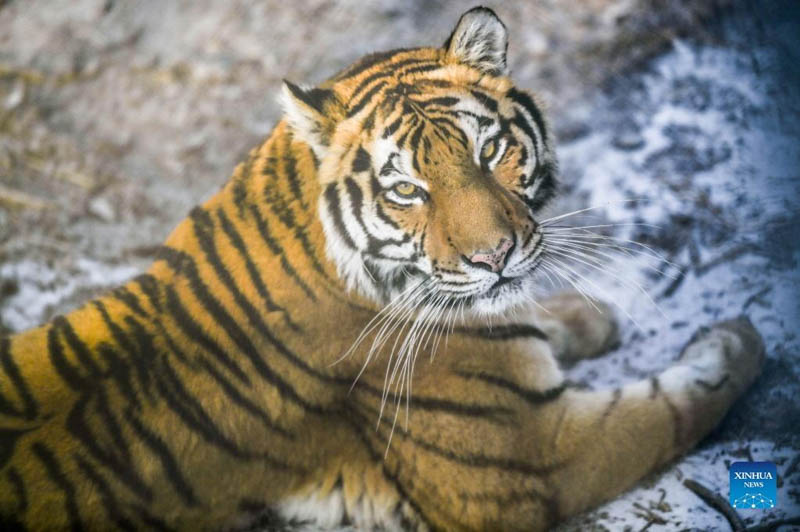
(432, 168)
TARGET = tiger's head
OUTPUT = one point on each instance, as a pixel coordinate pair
(432, 167)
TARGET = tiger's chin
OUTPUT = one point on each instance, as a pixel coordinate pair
(505, 295)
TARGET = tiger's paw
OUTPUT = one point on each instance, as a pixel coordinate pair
(731, 349)
(578, 328)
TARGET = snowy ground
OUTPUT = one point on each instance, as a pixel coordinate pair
(712, 147)
(705, 136)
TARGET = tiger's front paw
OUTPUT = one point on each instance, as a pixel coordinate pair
(577, 328)
(731, 349)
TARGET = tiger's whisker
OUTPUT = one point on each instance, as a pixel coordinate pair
(379, 316)
(583, 259)
(602, 292)
(589, 235)
(553, 228)
(555, 243)
(593, 207)
(588, 297)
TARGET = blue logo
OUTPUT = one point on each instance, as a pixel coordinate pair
(753, 485)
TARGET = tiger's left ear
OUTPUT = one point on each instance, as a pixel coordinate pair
(480, 40)
(312, 114)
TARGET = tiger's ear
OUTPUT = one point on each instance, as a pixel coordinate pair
(312, 114)
(480, 40)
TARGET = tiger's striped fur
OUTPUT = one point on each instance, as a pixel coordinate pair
(205, 390)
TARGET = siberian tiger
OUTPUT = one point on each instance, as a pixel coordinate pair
(213, 387)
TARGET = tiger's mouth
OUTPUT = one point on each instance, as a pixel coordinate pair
(505, 286)
(502, 291)
(502, 281)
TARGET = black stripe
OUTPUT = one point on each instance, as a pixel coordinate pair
(335, 208)
(286, 216)
(452, 130)
(275, 247)
(19, 489)
(206, 242)
(521, 122)
(391, 128)
(76, 424)
(68, 373)
(374, 244)
(165, 456)
(240, 188)
(422, 68)
(252, 270)
(189, 409)
(58, 478)
(120, 372)
(109, 501)
(290, 171)
(358, 106)
(276, 201)
(615, 397)
(441, 101)
(8, 442)
(369, 121)
(415, 146)
(491, 413)
(195, 333)
(473, 460)
(534, 397)
(182, 263)
(30, 408)
(77, 345)
(380, 213)
(234, 395)
(387, 71)
(255, 318)
(712, 387)
(192, 414)
(140, 347)
(412, 122)
(378, 458)
(369, 61)
(487, 101)
(546, 173)
(362, 161)
(508, 331)
(655, 387)
(677, 421)
(528, 104)
(149, 287)
(130, 300)
(152, 522)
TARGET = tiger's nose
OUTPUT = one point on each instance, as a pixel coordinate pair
(493, 260)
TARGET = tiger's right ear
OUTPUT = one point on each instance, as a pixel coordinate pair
(480, 40)
(312, 114)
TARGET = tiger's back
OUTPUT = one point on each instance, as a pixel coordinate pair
(397, 203)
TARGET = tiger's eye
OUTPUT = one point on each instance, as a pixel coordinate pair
(405, 189)
(489, 149)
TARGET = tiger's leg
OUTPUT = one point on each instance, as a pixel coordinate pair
(607, 440)
(575, 327)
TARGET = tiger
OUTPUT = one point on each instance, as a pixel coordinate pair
(263, 367)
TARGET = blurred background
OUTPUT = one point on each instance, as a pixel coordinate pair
(116, 117)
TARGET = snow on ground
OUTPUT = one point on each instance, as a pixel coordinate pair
(40, 287)
(711, 150)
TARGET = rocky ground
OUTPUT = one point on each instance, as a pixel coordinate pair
(117, 117)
